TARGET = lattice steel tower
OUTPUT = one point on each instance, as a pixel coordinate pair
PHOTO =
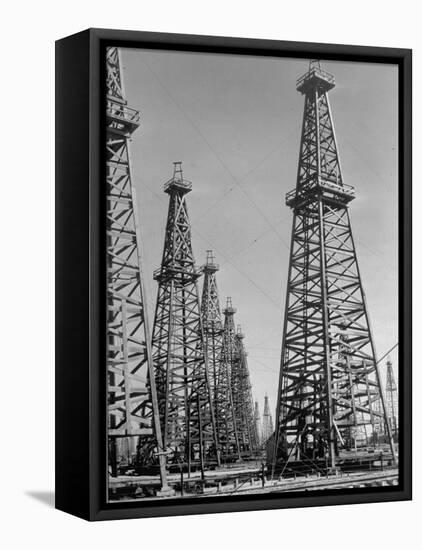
(329, 377)
(257, 422)
(391, 398)
(235, 355)
(132, 399)
(267, 422)
(183, 389)
(250, 437)
(231, 357)
(218, 366)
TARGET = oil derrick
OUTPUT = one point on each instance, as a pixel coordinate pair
(267, 421)
(329, 378)
(234, 354)
(250, 434)
(231, 357)
(218, 367)
(391, 399)
(257, 423)
(132, 399)
(180, 364)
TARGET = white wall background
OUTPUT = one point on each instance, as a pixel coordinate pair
(27, 270)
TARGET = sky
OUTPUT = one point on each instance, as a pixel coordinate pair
(235, 121)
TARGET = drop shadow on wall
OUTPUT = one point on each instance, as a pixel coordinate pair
(45, 497)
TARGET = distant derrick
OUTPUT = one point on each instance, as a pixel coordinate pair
(258, 427)
(218, 365)
(267, 421)
(249, 433)
(234, 354)
(329, 378)
(392, 399)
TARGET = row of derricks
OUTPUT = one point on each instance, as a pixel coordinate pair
(179, 397)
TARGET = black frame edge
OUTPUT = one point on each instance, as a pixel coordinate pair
(405, 270)
(72, 418)
(226, 44)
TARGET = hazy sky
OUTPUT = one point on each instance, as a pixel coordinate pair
(235, 122)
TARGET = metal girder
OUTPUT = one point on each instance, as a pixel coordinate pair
(132, 399)
(329, 379)
(219, 368)
(179, 355)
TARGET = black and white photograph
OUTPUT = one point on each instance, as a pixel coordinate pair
(252, 278)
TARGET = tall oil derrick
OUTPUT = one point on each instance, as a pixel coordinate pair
(267, 421)
(257, 423)
(391, 399)
(132, 398)
(218, 367)
(179, 355)
(329, 377)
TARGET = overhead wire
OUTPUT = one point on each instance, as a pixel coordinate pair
(237, 183)
(221, 254)
(233, 177)
(217, 156)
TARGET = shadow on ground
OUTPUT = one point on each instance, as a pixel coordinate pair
(45, 497)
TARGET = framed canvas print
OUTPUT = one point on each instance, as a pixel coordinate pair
(233, 274)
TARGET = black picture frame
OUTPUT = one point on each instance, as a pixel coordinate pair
(80, 281)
